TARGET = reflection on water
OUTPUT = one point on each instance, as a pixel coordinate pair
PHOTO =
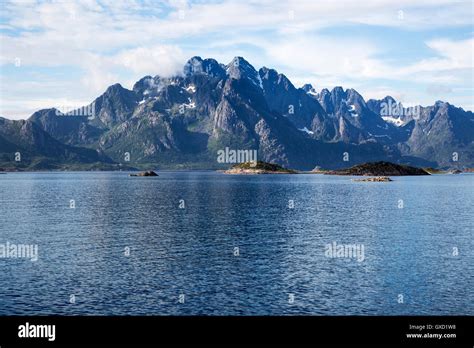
(236, 245)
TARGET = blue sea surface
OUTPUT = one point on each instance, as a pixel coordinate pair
(206, 243)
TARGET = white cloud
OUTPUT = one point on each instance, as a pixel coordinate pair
(162, 60)
(112, 41)
(349, 60)
(22, 109)
(98, 74)
(322, 56)
(453, 55)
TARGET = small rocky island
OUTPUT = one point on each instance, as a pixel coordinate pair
(258, 167)
(376, 179)
(379, 169)
(147, 173)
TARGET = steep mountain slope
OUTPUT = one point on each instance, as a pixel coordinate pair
(66, 128)
(442, 133)
(23, 144)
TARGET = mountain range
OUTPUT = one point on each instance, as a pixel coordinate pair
(184, 120)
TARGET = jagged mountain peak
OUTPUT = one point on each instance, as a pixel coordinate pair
(241, 62)
(272, 78)
(239, 68)
(115, 105)
(268, 73)
(339, 100)
(266, 70)
(209, 66)
(323, 94)
(44, 112)
(338, 90)
(389, 99)
(354, 98)
(440, 103)
(351, 92)
(116, 87)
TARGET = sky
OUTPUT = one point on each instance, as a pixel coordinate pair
(65, 53)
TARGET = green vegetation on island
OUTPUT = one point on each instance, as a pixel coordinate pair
(376, 179)
(379, 169)
(258, 167)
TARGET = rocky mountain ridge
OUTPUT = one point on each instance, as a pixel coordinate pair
(182, 121)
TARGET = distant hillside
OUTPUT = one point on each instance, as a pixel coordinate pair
(25, 145)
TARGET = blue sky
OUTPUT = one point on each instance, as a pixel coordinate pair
(65, 53)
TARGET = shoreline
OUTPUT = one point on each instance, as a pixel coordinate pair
(220, 171)
(368, 169)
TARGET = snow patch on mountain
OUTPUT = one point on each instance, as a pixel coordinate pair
(306, 130)
(393, 120)
(190, 105)
(260, 82)
(191, 89)
(351, 108)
